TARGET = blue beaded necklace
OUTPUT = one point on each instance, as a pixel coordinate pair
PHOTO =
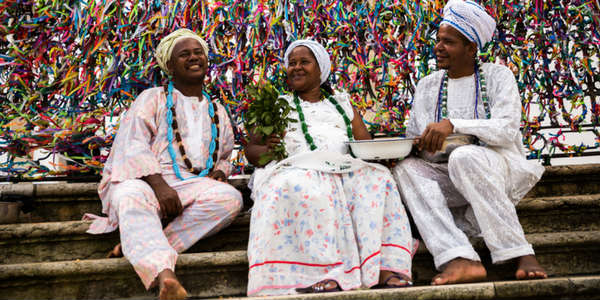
(338, 107)
(480, 84)
(172, 129)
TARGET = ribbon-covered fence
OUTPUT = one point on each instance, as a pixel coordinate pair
(68, 67)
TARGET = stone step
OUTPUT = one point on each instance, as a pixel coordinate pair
(58, 241)
(55, 201)
(55, 241)
(60, 201)
(574, 287)
(560, 213)
(222, 274)
(69, 201)
(204, 275)
(568, 180)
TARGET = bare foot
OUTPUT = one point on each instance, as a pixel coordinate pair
(460, 270)
(115, 252)
(529, 268)
(389, 279)
(170, 288)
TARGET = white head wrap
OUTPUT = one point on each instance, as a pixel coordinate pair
(165, 47)
(318, 51)
(471, 20)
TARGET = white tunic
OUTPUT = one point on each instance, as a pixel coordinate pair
(501, 133)
(140, 149)
(475, 192)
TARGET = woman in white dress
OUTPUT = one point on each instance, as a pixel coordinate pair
(322, 220)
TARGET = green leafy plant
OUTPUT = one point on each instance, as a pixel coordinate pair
(267, 114)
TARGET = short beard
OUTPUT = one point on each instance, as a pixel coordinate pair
(446, 67)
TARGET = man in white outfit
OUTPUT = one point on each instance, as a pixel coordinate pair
(475, 190)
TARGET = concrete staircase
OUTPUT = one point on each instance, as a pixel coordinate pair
(49, 256)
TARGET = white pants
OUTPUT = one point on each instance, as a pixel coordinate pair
(466, 196)
(208, 206)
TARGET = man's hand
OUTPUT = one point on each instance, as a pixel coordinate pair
(168, 200)
(434, 136)
(217, 175)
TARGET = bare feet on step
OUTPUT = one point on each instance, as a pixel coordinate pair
(529, 268)
(460, 270)
(170, 288)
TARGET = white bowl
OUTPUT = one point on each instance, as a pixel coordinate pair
(381, 148)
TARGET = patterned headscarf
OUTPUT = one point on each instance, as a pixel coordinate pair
(471, 20)
(165, 47)
(318, 51)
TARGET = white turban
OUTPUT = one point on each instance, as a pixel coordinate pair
(471, 20)
(165, 47)
(318, 51)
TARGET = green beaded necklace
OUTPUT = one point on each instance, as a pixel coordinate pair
(480, 84)
(307, 136)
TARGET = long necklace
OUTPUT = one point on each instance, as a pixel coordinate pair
(442, 105)
(307, 136)
(173, 130)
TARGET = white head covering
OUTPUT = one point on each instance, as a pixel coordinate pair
(471, 20)
(165, 47)
(318, 51)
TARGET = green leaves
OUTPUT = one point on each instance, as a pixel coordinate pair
(267, 130)
(267, 114)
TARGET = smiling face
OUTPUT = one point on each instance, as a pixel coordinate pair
(453, 51)
(303, 71)
(188, 62)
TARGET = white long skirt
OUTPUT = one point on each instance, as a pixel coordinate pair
(310, 225)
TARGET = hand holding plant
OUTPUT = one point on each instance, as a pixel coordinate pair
(267, 117)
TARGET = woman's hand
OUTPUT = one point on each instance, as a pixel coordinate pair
(273, 140)
(257, 146)
(359, 129)
(217, 175)
(168, 199)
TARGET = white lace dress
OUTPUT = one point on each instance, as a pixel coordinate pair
(323, 214)
(475, 192)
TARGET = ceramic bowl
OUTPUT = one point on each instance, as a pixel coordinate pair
(452, 142)
(381, 148)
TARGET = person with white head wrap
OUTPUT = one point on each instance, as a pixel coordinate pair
(323, 220)
(320, 53)
(471, 20)
(468, 189)
(152, 174)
